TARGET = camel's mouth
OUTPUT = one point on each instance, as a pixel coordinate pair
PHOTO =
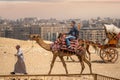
(33, 37)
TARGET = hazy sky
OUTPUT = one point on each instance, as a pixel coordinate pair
(60, 9)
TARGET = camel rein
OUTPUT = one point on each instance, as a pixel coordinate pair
(29, 49)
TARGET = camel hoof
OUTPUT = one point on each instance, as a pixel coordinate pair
(73, 60)
(91, 73)
(49, 73)
(66, 72)
(80, 73)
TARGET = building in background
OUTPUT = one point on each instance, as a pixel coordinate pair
(51, 32)
(49, 29)
(93, 34)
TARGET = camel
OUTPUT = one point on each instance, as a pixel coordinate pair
(61, 54)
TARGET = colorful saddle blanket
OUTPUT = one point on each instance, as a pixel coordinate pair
(61, 45)
(73, 46)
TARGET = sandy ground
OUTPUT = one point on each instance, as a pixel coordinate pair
(38, 60)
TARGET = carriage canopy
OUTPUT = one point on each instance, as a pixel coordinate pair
(112, 28)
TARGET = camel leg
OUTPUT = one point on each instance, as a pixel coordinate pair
(52, 63)
(88, 63)
(63, 62)
(67, 57)
(82, 64)
(72, 59)
(80, 57)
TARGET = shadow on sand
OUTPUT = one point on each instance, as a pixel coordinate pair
(97, 61)
(70, 61)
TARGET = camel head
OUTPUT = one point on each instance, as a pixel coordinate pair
(34, 36)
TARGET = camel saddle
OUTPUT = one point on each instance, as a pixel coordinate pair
(61, 45)
(73, 46)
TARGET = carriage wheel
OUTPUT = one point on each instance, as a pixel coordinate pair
(115, 54)
(109, 55)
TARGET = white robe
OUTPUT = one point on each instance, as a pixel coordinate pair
(20, 64)
(20, 54)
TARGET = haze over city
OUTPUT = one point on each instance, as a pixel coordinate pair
(60, 9)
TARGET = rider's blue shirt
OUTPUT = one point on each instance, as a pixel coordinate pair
(74, 31)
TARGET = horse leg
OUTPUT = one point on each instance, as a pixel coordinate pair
(63, 62)
(95, 49)
(88, 52)
(52, 63)
(98, 50)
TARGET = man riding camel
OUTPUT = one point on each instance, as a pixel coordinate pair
(73, 33)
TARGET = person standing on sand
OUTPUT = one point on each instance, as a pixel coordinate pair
(20, 64)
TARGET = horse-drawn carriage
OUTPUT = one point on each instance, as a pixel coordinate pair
(108, 50)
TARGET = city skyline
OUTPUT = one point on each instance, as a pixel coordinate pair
(60, 9)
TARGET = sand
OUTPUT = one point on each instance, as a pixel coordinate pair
(38, 60)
